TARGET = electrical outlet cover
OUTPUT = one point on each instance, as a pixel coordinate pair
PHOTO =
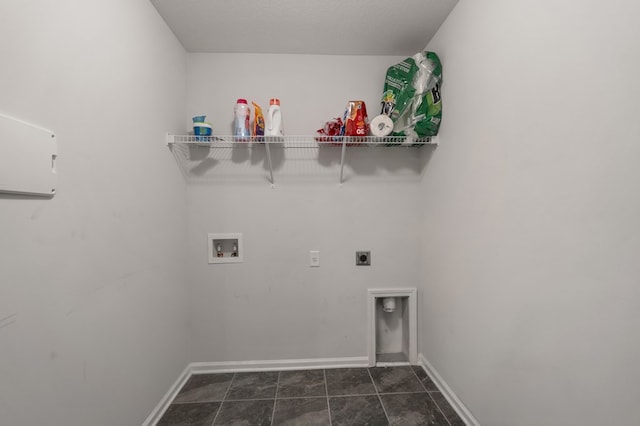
(363, 258)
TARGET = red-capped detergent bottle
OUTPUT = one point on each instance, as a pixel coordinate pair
(273, 120)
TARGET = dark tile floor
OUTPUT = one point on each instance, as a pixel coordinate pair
(347, 396)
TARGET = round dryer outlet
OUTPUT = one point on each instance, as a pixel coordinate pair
(363, 258)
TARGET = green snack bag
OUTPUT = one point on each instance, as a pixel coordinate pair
(412, 96)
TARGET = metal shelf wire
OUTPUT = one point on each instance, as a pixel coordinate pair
(299, 142)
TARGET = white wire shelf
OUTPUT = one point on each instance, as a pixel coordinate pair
(305, 141)
(183, 145)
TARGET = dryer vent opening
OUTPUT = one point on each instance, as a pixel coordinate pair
(392, 327)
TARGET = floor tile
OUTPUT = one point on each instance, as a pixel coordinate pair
(447, 409)
(356, 411)
(301, 411)
(195, 414)
(246, 413)
(349, 381)
(412, 409)
(301, 384)
(395, 379)
(424, 379)
(204, 387)
(253, 385)
(250, 399)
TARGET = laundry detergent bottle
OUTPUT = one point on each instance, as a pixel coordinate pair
(273, 120)
(241, 113)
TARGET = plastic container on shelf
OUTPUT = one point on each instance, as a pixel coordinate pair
(241, 129)
(273, 120)
(201, 129)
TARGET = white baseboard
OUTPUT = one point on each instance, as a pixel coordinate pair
(164, 403)
(446, 391)
(276, 365)
(244, 366)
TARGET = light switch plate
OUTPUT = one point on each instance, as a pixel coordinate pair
(314, 258)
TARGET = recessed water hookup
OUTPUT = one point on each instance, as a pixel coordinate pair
(225, 248)
(363, 258)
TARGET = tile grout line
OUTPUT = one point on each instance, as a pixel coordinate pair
(404, 393)
(223, 399)
(378, 395)
(326, 393)
(195, 402)
(440, 409)
(305, 397)
(254, 399)
(419, 381)
(275, 398)
(430, 397)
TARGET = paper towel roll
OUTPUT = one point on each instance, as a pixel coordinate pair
(381, 126)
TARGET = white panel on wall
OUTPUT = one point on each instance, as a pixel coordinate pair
(27, 158)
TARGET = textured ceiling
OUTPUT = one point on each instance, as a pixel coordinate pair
(334, 27)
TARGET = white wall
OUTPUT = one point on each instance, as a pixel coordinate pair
(530, 234)
(93, 304)
(274, 306)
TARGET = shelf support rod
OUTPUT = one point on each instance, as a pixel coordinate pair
(266, 145)
(344, 150)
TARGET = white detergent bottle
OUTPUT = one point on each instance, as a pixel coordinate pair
(241, 114)
(273, 120)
